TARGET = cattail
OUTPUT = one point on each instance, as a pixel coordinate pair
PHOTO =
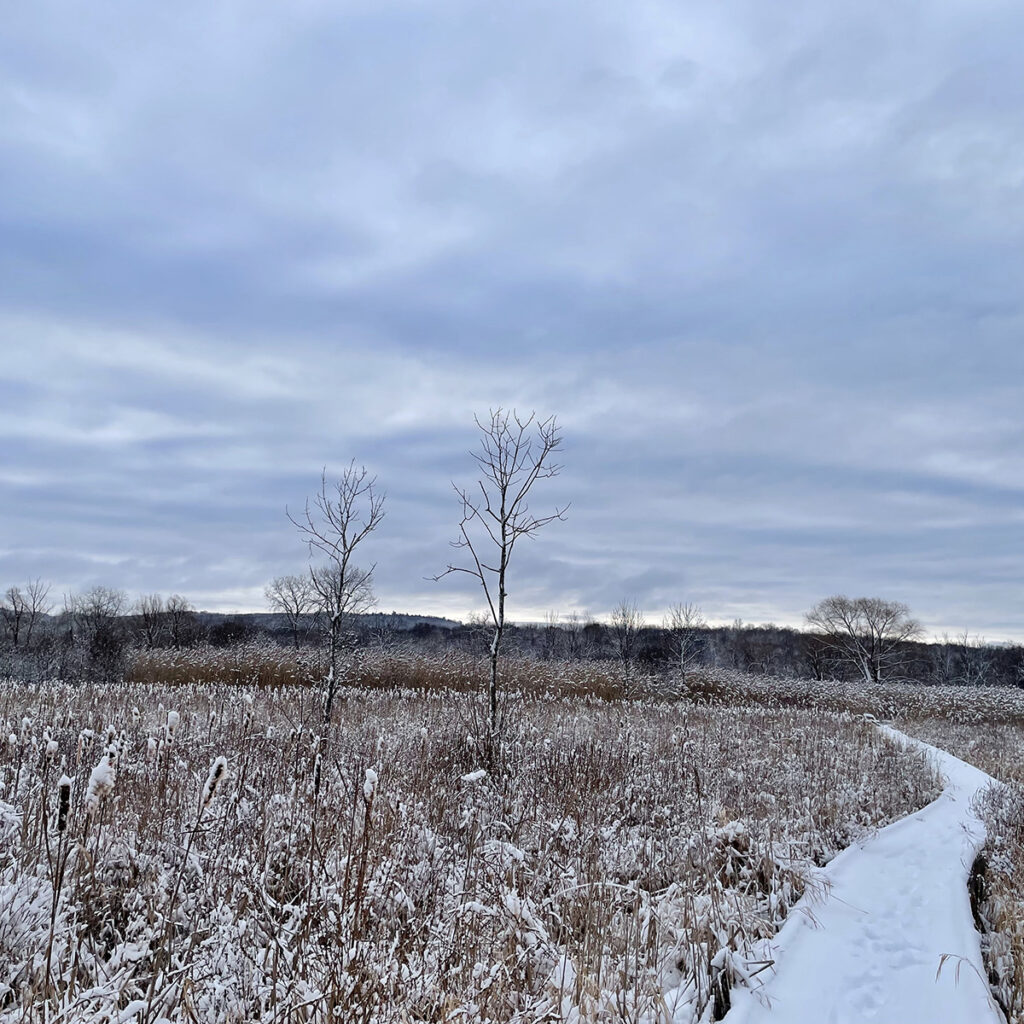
(151, 747)
(63, 802)
(370, 785)
(51, 749)
(101, 781)
(217, 770)
(173, 718)
(85, 738)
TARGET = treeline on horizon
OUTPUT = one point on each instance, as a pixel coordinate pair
(94, 636)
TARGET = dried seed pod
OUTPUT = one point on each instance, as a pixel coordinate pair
(63, 802)
(217, 770)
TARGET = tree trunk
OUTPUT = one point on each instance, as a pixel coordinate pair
(332, 668)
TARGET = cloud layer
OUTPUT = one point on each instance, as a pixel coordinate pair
(764, 264)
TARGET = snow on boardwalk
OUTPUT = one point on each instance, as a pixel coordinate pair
(868, 948)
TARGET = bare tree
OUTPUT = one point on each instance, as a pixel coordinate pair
(96, 625)
(575, 646)
(975, 659)
(181, 620)
(22, 609)
(550, 636)
(336, 602)
(151, 620)
(13, 612)
(627, 621)
(295, 598)
(867, 633)
(343, 513)
(684, 624)
(514, 454)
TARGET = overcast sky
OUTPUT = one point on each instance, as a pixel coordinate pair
(763, 261)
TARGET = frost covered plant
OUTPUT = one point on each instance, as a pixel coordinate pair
(101, 781)
(591, 878)
(173, 719)
(213, 779)
(370, 785)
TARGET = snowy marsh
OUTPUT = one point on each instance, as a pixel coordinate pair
(997, 893)
(219, 857)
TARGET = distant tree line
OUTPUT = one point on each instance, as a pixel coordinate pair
(90, 635)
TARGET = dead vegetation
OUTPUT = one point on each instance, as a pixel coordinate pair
(218, 856)
(380, 667)
(996, 891)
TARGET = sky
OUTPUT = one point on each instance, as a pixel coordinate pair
(763, 262)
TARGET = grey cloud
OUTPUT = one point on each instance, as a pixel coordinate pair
(764, 263)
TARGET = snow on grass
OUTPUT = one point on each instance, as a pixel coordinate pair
(891, 935)
(621, 860)
(996, 885)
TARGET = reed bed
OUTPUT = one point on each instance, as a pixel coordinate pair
(266, 665)
(209, 852)
(896, 702)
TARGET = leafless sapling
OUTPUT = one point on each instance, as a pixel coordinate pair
(341, 515)
(515, 452)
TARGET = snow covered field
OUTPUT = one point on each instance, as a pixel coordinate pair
(625, 861)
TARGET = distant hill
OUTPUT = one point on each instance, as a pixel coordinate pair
(274, 620)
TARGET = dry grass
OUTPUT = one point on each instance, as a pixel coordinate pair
(624, 861)
(972, 706)
(267, 665)
(997, 893)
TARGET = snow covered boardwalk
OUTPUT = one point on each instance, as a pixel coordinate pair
(868, 949)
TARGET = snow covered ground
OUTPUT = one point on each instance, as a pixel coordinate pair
(889, 935)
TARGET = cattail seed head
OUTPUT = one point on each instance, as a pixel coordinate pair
(173, 718)
(101, 781)
(370, 785)
(63, 802)
(217, 770)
